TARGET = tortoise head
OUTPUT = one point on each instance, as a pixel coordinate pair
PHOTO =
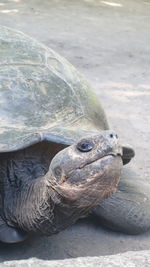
(89, 170)
(79, 177)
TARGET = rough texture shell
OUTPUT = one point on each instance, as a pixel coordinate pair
(42, 96)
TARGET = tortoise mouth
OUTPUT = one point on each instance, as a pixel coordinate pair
(109, 155)
(100, 169)
(91, 172)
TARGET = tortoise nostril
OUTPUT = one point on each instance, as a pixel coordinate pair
(111, 135)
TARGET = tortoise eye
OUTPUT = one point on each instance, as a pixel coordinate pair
(85, 146)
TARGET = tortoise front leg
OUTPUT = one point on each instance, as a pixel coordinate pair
(128, 210)
(10, 234)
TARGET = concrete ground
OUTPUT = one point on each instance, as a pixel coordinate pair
(109, 42)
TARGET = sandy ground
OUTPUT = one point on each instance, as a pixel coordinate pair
(108, 41)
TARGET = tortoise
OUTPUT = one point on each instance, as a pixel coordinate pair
(59, 159)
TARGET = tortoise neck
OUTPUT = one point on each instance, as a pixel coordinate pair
(39, 208)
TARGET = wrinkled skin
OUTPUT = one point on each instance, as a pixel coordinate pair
(79, 177)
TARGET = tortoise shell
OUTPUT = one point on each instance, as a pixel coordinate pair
(42, 96)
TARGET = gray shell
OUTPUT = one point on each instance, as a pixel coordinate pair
(42, 96)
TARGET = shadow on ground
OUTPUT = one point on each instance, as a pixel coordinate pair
(85, 238)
